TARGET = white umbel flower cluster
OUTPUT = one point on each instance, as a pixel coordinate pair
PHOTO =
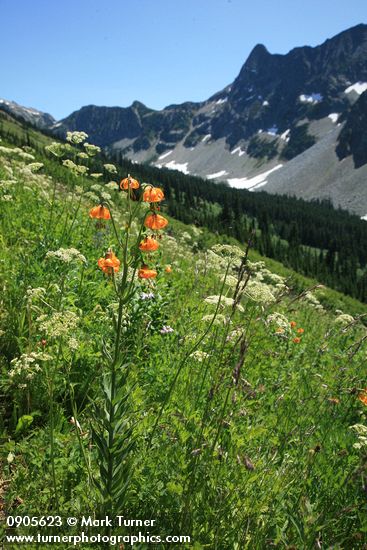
(278, 320)
(58, 324)
(66, 255)
(111, 168)
(91, 150)
(361, 432)
(27, 365)
(259, 292)
(343, 320)
(224, 301)
(76, 137)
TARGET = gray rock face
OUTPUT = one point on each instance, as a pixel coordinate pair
(27, 114)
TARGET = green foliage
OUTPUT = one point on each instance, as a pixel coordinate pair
(299, 141)
(233, 427)
(262, 148)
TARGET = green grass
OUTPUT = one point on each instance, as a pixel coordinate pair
(241, 437)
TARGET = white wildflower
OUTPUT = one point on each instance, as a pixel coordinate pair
(259, 292)
(106, 196)
(58, 149)
(92, 196)
(111, 168)
(66, 255)
(96, 175)
(97, 187)
(199, 355)
(255, 266)
(228, 251)
(76, 169)
(219, 319)
(83, 155)
(185, 236)
(344, 319)
(73, 344)
(35, 166)
(10, 458)
(361, 432)
(76, 137)
(27, 365)
(196, 230)
(34, 294)
(224, 301)
(230, 280)
(311, 299)
(92, 150)
(25, 156)
(58, 324)
(278, 320)
(112, 185)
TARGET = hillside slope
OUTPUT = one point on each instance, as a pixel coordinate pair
(216, 388)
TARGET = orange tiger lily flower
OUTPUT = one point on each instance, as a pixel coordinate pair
(293, 324)
(153, 194)
(146, 273)
(109, 264)
(149, 244)
(300, 330)
(155, 221)
(168, 269)
(296, 340)
(363, 397)
(129, 182)
(100, 213)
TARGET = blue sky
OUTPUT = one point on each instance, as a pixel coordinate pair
(57, 55)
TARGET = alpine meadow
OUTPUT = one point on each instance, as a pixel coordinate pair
(183, 362)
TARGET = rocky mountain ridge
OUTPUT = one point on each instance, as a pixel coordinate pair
(262, 131)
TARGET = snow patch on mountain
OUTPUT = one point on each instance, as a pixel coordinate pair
(172, 165)
(357, 87)
(334, 117)
(255, 182)
(216, 175)
(239, 151)
(165, 155)
(310, 98)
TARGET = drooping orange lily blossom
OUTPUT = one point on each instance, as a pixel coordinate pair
(146, 273)
(155, 221)
(109, 264)
(153, 194)
(129, 183)
(363, 397)
(168, 269)
(293, 324)
(149, 244)
(100, 213)
(300, 330)
(296, 340)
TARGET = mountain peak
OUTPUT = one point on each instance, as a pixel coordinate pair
(258, 53)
